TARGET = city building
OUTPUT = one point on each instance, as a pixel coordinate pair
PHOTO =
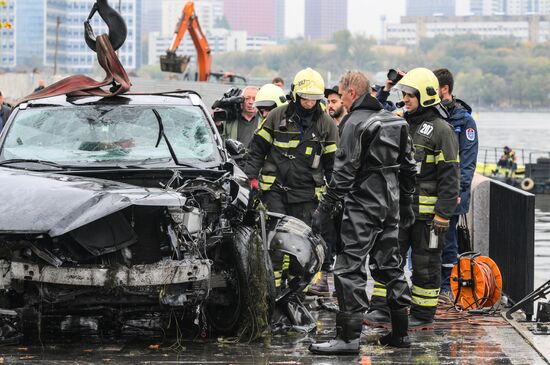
(209, 12)
(487, 7)
(151, 17)
(412, 29)
(29, 33)
(324, 18)
(431, 7)
(256, 17)
(7, 36)
(64, 21)
(219, 40)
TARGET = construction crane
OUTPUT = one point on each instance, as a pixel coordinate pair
(171, 62)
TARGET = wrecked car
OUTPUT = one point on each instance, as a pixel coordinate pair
(128, 213)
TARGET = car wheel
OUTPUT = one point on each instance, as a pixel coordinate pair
(229, 308)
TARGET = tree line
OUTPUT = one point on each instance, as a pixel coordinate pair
(500, 72)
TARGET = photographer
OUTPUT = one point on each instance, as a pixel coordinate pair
(241, 115)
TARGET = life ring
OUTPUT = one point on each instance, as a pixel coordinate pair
(527, 184)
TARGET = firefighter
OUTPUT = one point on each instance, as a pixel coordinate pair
(375, 176)
(269, 97)
(435, 199)
(291, 156)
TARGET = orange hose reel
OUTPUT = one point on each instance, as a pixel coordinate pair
(476, 281)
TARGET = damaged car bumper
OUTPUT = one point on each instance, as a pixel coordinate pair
(160, 273)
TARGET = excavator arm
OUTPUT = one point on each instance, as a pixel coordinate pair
(174, 63)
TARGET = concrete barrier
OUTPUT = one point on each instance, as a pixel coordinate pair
(502, 224)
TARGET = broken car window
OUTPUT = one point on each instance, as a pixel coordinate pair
(109, 133)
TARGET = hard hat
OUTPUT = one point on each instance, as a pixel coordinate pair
(270, 96)
(422, 83)
(308, 84)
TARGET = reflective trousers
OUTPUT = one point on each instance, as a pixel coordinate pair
(359, 239)
(426, 271)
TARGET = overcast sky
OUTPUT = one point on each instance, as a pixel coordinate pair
(363, 15)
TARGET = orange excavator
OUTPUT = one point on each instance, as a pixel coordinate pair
(171, 62)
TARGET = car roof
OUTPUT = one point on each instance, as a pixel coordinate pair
(178, 97)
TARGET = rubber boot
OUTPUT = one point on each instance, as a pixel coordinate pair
(398, 336)
(377, 318)
(320, 287)
(347, 340)
(418, 324)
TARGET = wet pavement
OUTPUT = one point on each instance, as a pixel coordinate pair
(455, 340)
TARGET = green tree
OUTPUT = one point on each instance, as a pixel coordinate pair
(343, 41)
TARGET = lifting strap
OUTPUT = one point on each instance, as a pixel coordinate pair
(80, 85)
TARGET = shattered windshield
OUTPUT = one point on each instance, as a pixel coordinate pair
(110, 134)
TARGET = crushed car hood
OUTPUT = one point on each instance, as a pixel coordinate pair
(35, 202)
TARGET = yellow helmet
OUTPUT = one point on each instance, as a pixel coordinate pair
(308, 84)
(270, 96)
(422, 83)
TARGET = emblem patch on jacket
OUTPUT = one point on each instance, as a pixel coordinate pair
(470, 134)
(426, 129)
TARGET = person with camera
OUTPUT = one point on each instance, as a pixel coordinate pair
(242, 117)
(435, 199)
(466, 130)
(374, 176)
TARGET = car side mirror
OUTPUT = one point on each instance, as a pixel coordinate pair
(234, 147)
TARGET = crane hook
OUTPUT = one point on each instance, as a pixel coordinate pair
(114, 21)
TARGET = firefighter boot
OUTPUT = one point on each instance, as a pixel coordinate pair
(320, 286)
(347, 340)
(377, 318)
(419, 324)
(398, 336)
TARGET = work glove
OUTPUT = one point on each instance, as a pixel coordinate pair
(406, 215)
(320, 218)
(254, 184)
(440, 225)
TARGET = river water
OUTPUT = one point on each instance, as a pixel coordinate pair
(524, 131)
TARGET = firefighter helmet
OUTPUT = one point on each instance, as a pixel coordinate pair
(422, 83)
(308, 84)
(270, 96)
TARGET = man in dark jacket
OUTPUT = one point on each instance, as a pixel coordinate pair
(5, 112)
(375, 176)
(435, 198)
(242, 129)
(466, 129)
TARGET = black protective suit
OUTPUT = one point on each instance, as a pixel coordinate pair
(436, 192)
(374, 169)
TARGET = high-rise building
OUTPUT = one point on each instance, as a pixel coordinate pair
(324, 18)
(209, 12)
(64, 21)
(257, 17)
(487, 7)
(29, 32)
(7, 35)
(151, 17)
(431, 7)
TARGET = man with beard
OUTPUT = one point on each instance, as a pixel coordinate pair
(335, 106)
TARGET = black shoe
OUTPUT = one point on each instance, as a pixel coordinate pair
(394, 341)
(417, 324)
(399, 326)
(347, 340)
(377, 319)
